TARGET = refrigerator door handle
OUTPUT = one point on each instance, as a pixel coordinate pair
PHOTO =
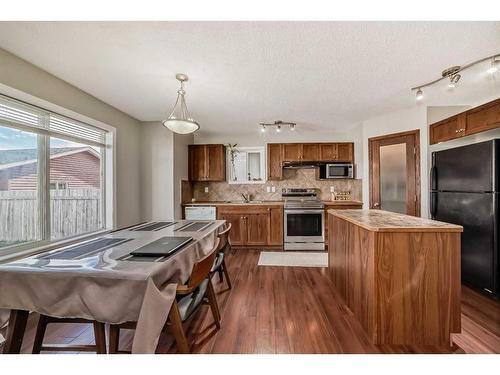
(433, 205)
(433, 178)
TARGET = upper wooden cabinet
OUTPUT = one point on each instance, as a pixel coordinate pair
(476, 120)
(278, 153)
(483, 118)
(207, 163)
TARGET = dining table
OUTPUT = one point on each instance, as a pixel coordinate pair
(101, 280)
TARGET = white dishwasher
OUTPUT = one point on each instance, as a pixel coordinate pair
(200, 212)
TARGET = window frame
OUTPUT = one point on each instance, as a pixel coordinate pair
(262, 162)
(108, 178)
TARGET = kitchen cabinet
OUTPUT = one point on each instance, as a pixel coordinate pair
(345, 152)
(310, 152)
(277, 153)
(274, 161)
(483, 118)
(254, 224)
(292, 152)
(475, 120)
(450, 128)
(207, 162)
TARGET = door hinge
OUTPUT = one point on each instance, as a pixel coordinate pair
(414, 151)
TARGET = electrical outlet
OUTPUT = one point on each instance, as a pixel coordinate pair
(273, 189)
(206, 189)
(332, 189)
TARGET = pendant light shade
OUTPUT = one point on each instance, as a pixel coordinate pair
(180, 121)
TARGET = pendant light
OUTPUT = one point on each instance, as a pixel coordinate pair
(180, 121)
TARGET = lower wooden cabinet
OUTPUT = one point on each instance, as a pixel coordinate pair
(254, 225)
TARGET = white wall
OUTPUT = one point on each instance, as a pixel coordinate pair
(20, 75)
(164, 163)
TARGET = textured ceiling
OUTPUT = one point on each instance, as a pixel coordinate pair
(322, 75)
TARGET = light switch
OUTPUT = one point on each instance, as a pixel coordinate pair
(206, 189)
(332, 189)
(268, 189)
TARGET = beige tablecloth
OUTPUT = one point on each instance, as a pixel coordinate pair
(104, 288)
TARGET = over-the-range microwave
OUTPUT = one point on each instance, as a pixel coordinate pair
(336, 170)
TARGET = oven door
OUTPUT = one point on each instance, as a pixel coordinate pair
(304, 226)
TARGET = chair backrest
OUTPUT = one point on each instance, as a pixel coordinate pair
(202, 267)
(224, 237)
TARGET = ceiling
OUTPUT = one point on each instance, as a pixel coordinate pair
(323, 75)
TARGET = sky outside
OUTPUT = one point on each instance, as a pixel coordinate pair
(11, 139)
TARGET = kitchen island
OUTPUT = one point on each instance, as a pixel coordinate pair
(398, 274)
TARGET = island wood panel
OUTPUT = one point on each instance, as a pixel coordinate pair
(418, 287)
(404, 288)
(340, 205)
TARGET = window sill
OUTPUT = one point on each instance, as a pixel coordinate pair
(24, 253)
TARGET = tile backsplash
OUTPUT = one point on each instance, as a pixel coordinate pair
(293, 178)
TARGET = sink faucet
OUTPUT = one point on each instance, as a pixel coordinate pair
(246, 197)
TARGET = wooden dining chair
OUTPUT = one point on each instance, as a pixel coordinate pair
(220, 261)
(189, 298)
(99, 333)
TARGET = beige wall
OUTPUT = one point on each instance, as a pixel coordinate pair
(164, 163)
(23, 76)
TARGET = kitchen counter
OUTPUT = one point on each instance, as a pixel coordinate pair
(384, 221)
(398, 274)
(280, 202)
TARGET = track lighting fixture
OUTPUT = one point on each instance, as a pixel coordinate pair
(277, 124)
(454, 73)
(495, 66)
(419, 95)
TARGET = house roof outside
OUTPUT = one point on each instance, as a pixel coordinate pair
(10, 158)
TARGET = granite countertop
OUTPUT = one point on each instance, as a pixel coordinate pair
(258, 202)
(384, 221)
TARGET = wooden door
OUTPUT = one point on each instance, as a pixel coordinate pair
(445, 130)
(483, 118)
(238, 229)
(327, 152)
(256, 227)
(345, 152)
(310, 152)
(197, 163)
(292, 151)
(394, 166)
(274, 161)
(275, 226)
(215, 163)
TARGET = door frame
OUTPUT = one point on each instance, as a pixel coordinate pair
(388, 137)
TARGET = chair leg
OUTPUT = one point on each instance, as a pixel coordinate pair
(40, 333)
(177, 329)
(221, 275)
(224, 269)
(100, 337)
(212, 300)
(114, 338)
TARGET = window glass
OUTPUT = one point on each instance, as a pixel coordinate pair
(18, 187)
(75, 194)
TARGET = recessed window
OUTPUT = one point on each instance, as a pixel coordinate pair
(52, 176)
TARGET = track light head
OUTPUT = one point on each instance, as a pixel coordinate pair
(419, 95)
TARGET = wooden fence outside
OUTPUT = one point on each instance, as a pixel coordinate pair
(73, 211)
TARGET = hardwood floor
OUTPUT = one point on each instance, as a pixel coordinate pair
(291, 310)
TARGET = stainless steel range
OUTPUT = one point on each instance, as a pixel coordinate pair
(304, 220)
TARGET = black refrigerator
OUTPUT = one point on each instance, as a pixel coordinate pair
(465, 191)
